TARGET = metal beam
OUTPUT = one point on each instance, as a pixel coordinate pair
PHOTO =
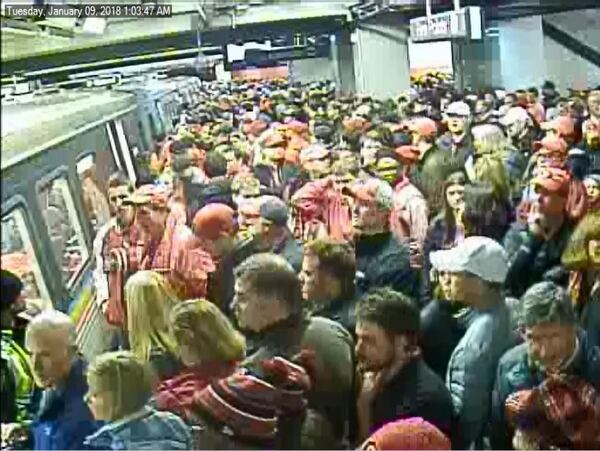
(574, 45)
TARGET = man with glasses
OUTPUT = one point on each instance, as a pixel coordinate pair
(554, 345)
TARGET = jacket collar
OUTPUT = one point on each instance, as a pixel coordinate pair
(282, 242)
(281, 339)
(123, 422)
(103, 438)
(53, 398)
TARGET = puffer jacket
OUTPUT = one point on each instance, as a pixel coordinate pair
(472, 367)
(144, 430)
(515, 372)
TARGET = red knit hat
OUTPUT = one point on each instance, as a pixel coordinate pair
(248, 407)
(412, 433)
(243, 404)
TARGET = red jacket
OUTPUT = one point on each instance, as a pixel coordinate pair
(177, 394)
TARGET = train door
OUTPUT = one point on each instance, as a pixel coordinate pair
(144, 128)
(163, 125)
(18, 256)
(73, 257)
(154, 127)
(125, 150)
(93, 171)
(65, 231)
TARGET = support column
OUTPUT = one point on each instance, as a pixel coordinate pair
(481, 63)
(458, 66)
(381, 55)
(345, 65)
(522, 52)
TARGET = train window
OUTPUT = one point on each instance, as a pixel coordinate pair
(153, 128)
(93, 171)
(64, 229)
(125, 151)
(161, 116)
(18, 256)
(113, 146)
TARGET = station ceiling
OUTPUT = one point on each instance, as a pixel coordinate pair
(32, 46)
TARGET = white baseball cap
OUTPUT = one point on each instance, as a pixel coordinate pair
(459, 109)
(515, 114)
(477, 255)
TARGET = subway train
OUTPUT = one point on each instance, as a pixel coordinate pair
(59, 147)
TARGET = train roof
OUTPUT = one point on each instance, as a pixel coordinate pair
(156, 87)
(34, 123)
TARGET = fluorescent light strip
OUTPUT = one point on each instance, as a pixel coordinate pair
(115, 60)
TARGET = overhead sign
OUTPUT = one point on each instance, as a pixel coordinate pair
(463, 24)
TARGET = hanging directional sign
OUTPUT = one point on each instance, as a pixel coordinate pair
(463, 24)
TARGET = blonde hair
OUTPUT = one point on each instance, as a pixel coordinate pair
(490, 169)
(492, 139)
(126, 380)
(576, 254)
(213, 337)
(149, 298)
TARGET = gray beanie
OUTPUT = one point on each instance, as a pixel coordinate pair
(275, 210)
(546, 302)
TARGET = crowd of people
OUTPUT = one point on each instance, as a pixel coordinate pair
(299, 269)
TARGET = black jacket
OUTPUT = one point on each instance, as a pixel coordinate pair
(532, 260)
(340, 310)
(440, 333)
(381, 261)
(416, 391)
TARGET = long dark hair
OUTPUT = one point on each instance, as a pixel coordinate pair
(485, 213)
(456, 178)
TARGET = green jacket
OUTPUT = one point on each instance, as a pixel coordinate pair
(17, 380)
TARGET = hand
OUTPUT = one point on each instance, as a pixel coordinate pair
(415, 255)
(522, 442)
(370, 386)
(460, 215)
(113, 264)
(536, 225)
